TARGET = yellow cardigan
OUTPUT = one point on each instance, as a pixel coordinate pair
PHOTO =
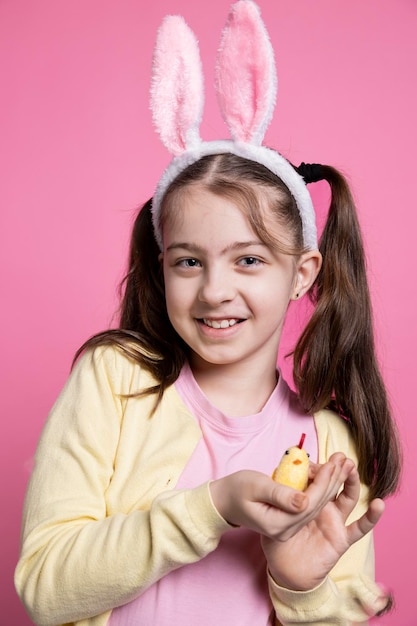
(102, 519)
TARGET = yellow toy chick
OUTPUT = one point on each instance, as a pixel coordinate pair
(293, 467)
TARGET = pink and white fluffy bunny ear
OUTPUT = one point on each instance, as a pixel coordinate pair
(246, 79)
(246, 85)
(177, 94)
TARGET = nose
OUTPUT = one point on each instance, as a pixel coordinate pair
(216, 286)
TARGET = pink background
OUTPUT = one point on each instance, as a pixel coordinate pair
(78, 154)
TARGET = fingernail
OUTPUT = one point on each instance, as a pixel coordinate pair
(384, 589)
(298, 500)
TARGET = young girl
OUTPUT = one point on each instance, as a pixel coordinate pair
(151, 501)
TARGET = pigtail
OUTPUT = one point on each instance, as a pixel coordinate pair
(145, 334)
(335, 364)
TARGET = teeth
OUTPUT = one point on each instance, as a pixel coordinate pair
(220, 323)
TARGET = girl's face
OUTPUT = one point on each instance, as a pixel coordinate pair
(227, 293)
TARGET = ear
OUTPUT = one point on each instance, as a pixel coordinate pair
(307, 268)
(246, 79)
(177, 94)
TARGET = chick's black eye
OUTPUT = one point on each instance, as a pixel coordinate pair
(308, 455)
(287, 451)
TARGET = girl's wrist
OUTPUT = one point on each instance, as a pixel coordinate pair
(292, 585)
(216, 494)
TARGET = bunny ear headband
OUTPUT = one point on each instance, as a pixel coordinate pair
(246, 86)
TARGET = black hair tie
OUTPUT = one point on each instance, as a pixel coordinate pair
(311, 172)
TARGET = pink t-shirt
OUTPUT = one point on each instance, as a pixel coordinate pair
(228, 586)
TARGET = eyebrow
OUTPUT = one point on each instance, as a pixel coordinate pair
(238, 245)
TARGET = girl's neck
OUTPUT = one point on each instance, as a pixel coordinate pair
(235, 392)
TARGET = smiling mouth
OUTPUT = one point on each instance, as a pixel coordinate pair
(226, 323)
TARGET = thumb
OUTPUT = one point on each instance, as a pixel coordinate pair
(285, 498)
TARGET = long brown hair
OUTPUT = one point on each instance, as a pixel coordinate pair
(334, 360)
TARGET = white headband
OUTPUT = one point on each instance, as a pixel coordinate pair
(246, 86)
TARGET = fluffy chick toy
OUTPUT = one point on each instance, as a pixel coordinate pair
(293, 467)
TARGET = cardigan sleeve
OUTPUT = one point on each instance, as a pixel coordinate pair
(76, 561)
(349, 594)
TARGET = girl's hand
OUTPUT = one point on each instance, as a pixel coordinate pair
(302, 561)
(253, 500)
